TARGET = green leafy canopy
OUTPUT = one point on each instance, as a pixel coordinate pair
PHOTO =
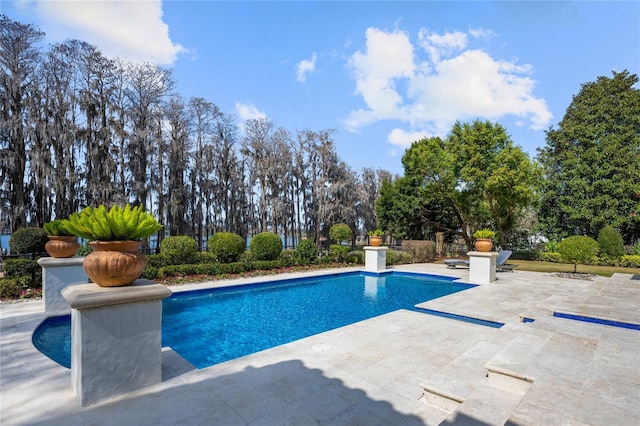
(474, 177)
(592, 162)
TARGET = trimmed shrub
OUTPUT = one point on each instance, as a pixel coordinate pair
(27, 270)
(266, 246)
(226, 247)
(21, 267)
(396, 257)
(340, 232)
(578, 249)
(11, 288)
(630, 261)
(28, 240)
(610, 242)
(338, 252)
(552, 257)
(288, 258)
(307, 252)
(158, 260)
(551, 246)
(84, 250)
(636, 249)
(356, 256)
(421, 251)
(205, 257)
(526, 255)
(181, 249)
(151, 272)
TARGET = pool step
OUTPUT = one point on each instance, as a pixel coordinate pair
(449, 388)
(509, 369)
(490, 378)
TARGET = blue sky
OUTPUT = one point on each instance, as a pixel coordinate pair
(383, 74)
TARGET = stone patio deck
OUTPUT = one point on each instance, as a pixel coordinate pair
(402, 368)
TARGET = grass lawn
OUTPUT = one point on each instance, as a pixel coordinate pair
(539, 266)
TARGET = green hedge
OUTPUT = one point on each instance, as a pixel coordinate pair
(307, 252)
(12, 288)
(288, 258)
(338, 253)
(396, 257)
(526, 255)
(631, 261)
(356, 256)
(152, 272)
(21, 267)
(550, 257)
(23, 273)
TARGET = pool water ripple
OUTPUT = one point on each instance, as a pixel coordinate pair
(208, 327)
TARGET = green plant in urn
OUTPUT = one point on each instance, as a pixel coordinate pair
(115, 236)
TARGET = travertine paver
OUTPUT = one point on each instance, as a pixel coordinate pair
(372, 372)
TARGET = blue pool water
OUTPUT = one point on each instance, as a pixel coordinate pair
(207, 327)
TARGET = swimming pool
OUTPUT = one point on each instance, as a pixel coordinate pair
(207, 327)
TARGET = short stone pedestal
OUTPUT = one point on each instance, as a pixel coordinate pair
(56, 275)
(375, 258)
(116, 338)
(482, 266)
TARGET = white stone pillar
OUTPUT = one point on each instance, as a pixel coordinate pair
(375, 258)
(116, 338)
(482, 267)
(56, 275)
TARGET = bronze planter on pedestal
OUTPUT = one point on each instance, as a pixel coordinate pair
(114, 263)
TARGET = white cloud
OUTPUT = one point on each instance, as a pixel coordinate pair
(389, 57)
(481, 33)
(128, 29)
(449, 82)
(441, 44)
(402, 138)
(305, 67)
(248, 112)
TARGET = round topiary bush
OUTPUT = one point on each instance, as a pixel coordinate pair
(181, 249)
(610, 242)
(266, 246)
(226, 247)
(28, 240)
(307, 252)
(340, 232)
(578, 249)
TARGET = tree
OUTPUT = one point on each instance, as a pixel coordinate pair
(592, 162)
(474, 178)
(19, 58)
(578, 249)
(340, 232)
